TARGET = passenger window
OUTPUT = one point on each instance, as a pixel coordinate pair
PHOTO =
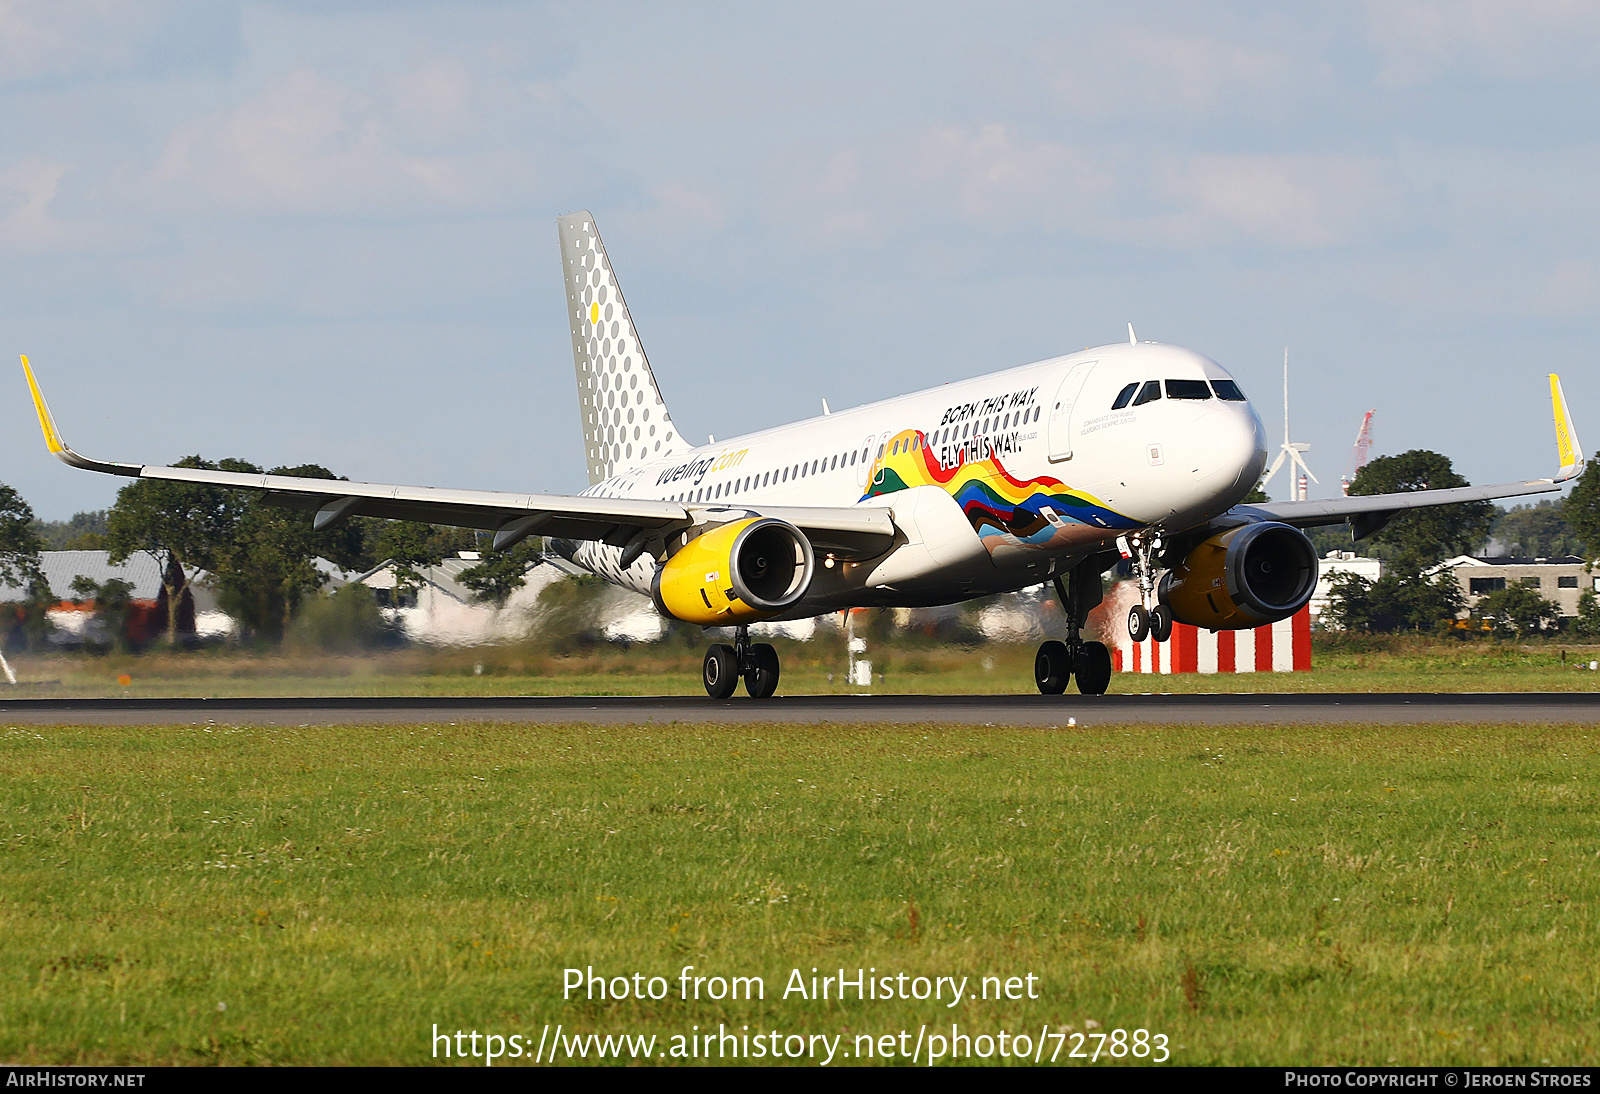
(1227, 389)
(1188, 389)
(1124, 395)
(1149, 393)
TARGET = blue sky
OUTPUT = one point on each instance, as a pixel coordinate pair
(324, 231)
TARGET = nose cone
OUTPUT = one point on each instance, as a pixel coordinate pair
(1232, 451)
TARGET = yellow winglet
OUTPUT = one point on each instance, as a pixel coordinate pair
(1568, 449)
(58, 447)
(52, 439)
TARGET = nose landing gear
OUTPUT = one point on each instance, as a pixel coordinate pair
(1152, 622)
(755, 663)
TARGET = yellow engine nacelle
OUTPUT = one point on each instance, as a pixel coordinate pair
(1245, 577)
(743, 572)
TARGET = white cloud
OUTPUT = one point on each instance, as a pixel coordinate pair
(1121, 70)
(1420, 40)
(1281, 200)
(30, 222)
(1570, 289)
(94, 39)
(990, 176)
(415, 143)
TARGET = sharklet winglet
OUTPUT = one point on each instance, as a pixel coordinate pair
(1569, 450)
(58, 447)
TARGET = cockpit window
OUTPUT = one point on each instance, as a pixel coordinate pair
(1187, 389)
(1227, 389)
(1149, 393)
(1124, 395)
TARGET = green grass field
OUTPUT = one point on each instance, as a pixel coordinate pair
(811, 668)
(1313, 895)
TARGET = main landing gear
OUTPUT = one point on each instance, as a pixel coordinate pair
(1089, 662)
(756, 663)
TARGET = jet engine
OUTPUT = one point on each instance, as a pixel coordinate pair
(1245, 577)
(742, 572)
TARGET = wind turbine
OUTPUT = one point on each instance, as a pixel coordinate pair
(1291, 451)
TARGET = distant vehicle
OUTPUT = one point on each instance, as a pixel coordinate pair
(1053, 471)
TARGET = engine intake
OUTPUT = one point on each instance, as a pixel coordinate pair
(1245, 577)
(743, 572)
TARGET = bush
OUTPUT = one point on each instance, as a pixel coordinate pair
(1517, 611)
(1398, 601)
(1587, 622)
(568, 613)
(348, 619)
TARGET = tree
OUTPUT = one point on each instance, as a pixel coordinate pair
(19, 542)
(1419, 538)
(267, 566)
(181, 525)
(1539, 530)
(1582, 508)
(84, 532)
(111, 599)
(412, 544)
(1518, 610)
(1397, 601)
(1587, 623)
(20, 568)
(493, 580)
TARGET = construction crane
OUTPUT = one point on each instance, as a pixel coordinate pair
(1360, 451)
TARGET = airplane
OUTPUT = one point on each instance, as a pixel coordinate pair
(1055, 471)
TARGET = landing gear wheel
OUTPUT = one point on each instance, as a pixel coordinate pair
(1138, 623)
(720, 671)
(761, 678)
(1161, 622)
(1052, 668)
(1093, 669)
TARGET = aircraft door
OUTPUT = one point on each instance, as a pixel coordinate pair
(877, 446)
(867, 448)
(1062, 408)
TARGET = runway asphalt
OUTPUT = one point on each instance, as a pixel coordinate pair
(1006, 710)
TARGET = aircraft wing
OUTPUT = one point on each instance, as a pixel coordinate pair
(616, 521)
(1370, 512)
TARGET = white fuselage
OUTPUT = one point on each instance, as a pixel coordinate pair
(996, 482)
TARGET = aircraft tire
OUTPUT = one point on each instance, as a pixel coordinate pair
(1093, 669)
(1138, 623)
(720, 671)
(1052, 668)
(1161, 622)
(761, 679)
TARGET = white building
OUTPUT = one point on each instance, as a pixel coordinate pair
(1333, 566)
(1560, 580)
